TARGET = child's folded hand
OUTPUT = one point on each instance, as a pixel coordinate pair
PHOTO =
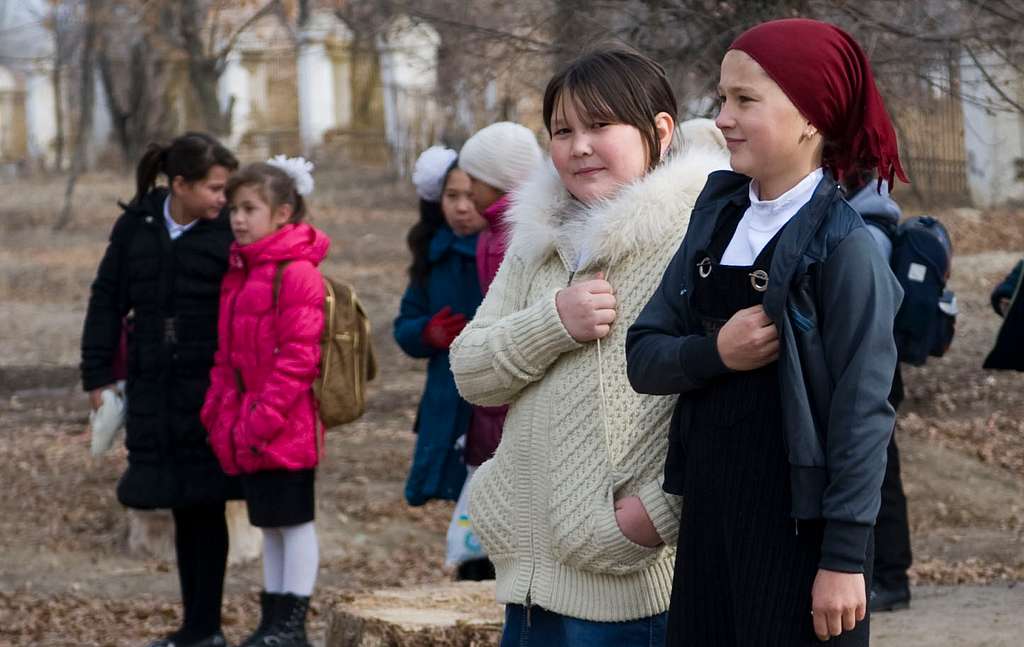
(587, 309)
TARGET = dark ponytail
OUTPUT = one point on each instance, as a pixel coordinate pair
(191, 156)
(420, 235)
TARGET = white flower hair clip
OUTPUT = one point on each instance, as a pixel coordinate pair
(299, 169)
(429, 171)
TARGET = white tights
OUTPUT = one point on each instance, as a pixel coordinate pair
(291, 557)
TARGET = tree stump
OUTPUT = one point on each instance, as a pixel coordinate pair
(151, 534)
(453, 614)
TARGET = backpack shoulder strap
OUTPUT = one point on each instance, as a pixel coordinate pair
(278, 278)
(887, 227)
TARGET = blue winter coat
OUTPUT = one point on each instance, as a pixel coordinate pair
(438, 471)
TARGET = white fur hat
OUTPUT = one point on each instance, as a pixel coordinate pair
(502, 155)
(429, 171)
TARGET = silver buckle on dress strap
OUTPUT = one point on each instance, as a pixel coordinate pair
(759, 280)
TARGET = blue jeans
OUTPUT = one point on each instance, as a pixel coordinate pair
(546, 629)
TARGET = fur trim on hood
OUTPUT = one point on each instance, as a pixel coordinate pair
(640, 215)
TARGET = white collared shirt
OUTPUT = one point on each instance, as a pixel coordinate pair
(764, 218)
(173, 228)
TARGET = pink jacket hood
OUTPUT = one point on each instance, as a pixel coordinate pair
(297, 242)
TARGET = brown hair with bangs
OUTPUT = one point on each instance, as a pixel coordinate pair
(617, 84)
(275, 186)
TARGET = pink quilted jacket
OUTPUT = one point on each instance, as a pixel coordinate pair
(273, 423)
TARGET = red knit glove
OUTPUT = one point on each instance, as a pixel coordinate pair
(443, 328)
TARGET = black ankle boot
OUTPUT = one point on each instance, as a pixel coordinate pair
(475, 570)
(889, 599)
(214, 640)
(289, 626)
(268, 608)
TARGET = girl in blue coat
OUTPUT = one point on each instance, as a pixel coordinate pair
(443, 294)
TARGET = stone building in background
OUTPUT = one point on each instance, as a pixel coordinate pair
(320, 91)
(378, 95)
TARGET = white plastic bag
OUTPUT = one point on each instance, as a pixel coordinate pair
(105, 421)
(463, 544)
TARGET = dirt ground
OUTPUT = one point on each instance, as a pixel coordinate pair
(66, 577)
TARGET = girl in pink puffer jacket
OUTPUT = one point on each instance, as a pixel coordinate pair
(260, 411)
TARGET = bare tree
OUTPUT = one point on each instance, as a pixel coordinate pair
(134, 71)
(85, 115)
(63, 23)
(197, 33)
(691, 36)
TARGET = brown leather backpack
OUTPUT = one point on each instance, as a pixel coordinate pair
(347, 360)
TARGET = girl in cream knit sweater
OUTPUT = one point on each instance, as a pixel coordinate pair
(570, 508)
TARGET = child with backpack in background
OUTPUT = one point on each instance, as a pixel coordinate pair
(260, 410)
(161, 270)
(774, 325)
(570, 508)
(890, 585)
(443, 294)
(920, 254)
(1008, 352)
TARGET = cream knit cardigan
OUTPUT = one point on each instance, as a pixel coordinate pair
(544, 505)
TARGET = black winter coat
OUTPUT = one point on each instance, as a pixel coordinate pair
(171, 290)
(834, 299)
(1008, 352)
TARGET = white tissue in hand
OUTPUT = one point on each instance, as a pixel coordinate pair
(106, 420)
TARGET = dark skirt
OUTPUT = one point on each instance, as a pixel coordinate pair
(744, 568)
(280, 498)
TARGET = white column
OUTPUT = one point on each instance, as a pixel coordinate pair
(316, 91)
(102, 121)
(994, 139)
(235, 84)
(41, 115)
(408, 64)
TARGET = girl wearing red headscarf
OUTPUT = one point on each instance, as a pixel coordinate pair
(773, 325)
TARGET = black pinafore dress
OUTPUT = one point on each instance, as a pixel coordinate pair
(744, 566)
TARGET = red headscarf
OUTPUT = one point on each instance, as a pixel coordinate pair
(827, 76)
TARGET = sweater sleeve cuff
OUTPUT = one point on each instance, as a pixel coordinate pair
(539, 333)
(663, 509)
(699, 358)
(844, 546)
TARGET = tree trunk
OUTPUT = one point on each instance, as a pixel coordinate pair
(137, 105)
(456, 614)
(203, 68)
(58, 95)
(151, 534)
(86, 99)
(204, 75)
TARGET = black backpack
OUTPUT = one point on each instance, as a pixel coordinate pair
(921, 258)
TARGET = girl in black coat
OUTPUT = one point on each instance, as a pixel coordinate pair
(1008, 352)
(773, 323)
(160, 277)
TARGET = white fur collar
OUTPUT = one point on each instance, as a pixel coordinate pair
(642, 214)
